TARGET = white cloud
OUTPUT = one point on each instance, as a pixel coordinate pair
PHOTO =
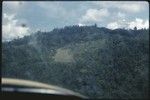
(121, 15)
(80, 24)
(53, 9)
(94, 15)
(11, 30)
(13, 6)
(122, 23)
(131, 7)
(139, 23)
(113, 25)
(11, 3)
(10, 17)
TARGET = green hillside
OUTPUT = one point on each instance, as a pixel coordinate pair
(96, 62)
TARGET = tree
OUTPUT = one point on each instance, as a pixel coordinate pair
(95, 25)
(135, 28)
(106, 64)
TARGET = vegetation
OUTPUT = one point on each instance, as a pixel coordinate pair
(96, 62)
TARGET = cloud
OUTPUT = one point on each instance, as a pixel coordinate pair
(120, 23)
(130, 7)
(11, 29)
(139, 23)
(121, 15)
(10, 17)
(80, 24)
(113, 25)
(12, 6)
(53, 9)
(59, 14)
(94, 15)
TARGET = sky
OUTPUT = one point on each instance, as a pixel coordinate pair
(20, 18)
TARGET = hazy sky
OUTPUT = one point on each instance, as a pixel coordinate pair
(46, 15)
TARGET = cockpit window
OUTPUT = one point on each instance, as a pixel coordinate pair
(96, 48)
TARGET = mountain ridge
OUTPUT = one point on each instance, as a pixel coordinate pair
(96, 62)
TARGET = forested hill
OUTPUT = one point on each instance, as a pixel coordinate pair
(96, 62)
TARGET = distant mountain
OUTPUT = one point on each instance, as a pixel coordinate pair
(96, 62)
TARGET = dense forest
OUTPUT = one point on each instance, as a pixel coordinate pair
(94, 61)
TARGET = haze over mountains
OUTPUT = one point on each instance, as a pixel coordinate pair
(95, 61)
